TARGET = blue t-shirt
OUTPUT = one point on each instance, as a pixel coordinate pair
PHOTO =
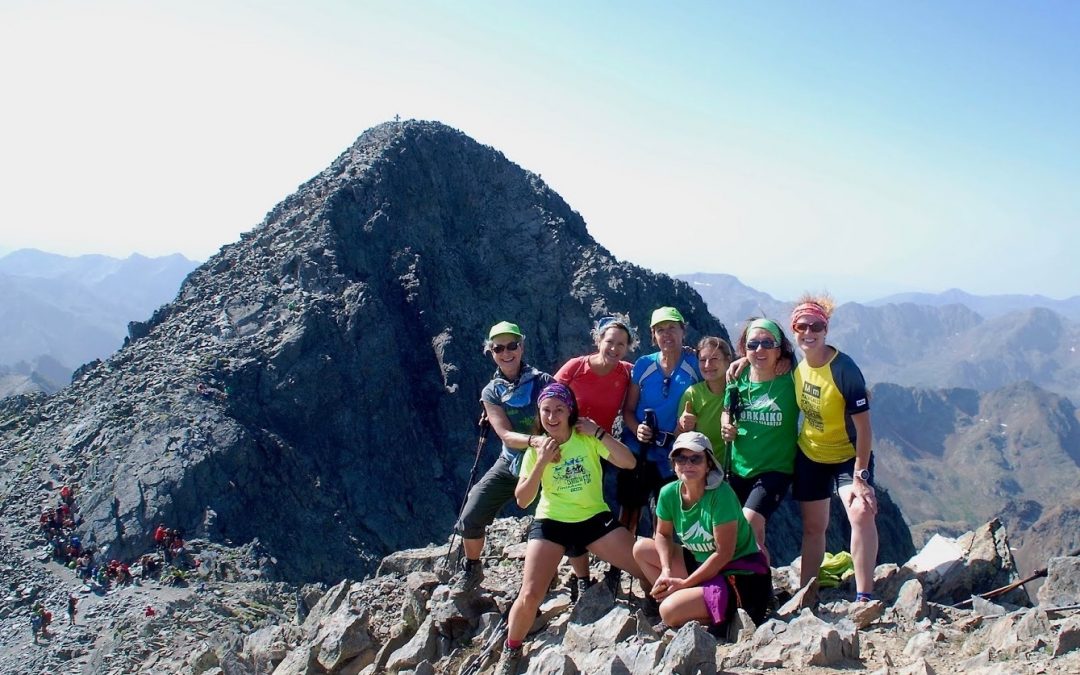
(662, 394)
(518, 401)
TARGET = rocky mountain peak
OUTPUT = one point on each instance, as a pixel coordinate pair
(314, 386)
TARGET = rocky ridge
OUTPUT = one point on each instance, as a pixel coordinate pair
(227, 621)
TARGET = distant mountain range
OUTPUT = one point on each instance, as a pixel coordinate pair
(988, 306)
(58, 312)
(953, 457)
(932, 345)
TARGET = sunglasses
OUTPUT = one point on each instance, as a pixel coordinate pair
(752, 345)
(815, 327)
(694, 459)
(509, 346)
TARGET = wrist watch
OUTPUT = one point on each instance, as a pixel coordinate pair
(863, 475)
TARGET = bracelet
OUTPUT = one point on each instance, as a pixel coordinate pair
(600, 433)
(528, 443)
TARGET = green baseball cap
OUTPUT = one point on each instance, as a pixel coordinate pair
(505, 328)
(666, 314)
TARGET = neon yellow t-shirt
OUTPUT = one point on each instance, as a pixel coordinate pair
(572, 489)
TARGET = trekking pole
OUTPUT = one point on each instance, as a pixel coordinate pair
(734, 411)
(483, 425)
(631, 515)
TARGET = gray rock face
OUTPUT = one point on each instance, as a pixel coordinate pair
(315, 384)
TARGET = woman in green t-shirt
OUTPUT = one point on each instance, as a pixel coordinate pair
(692, 581)
(763, 437)
(701, 404)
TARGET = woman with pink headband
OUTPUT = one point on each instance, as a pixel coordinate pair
(834, 453)
(571, 513)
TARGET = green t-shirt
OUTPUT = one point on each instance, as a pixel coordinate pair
(708, 407)
(572, 489)
(695, 525)
(768, 426)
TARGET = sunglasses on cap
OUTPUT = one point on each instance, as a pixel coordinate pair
(815, 327)
(509, 346)
(693, 459)
(752, 345)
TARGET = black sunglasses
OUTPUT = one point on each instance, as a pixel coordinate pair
(694, 459)
(509, 346)
(752, 345)
(815, 327)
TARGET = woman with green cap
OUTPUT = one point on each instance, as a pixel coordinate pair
(657, 383)
(763, 438)
(509, 402)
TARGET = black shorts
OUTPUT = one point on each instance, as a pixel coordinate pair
(689, 560)
(574, 537)
(815, 481)
(761, 493)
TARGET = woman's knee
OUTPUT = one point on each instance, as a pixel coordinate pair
(645, 551)
(531, 595)
(861, 516)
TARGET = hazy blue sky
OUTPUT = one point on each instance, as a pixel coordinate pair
(861, 147)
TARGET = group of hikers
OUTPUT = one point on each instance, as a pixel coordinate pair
(710, 443)
(170, 543)
(65, 546)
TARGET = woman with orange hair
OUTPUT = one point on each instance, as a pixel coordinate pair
(834, 453)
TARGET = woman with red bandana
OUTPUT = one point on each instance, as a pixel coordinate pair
(834, 453)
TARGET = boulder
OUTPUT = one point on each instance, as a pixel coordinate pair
(412, 560)
(551, 661)
(1020, 631)
(923, 644)
(910, 605)
(806, 641)
(423, 645)
(741, 627)
(987, 564)
(805, 598)
(1068, 637)
(584, 638)
(1062, 585)
(692, 650)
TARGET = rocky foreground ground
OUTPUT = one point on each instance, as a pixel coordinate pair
(226, 618)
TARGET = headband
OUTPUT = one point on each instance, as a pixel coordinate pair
(768, 325)
(559, 391)
(809, 310)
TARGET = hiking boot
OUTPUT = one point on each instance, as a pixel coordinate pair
(578, 586)
(510, 660)
(613, 579)
(470, 576)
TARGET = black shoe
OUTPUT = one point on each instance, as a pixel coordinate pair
(470, 576)
(578, 586)
(613, 579)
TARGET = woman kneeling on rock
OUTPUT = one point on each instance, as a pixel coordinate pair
(719, 553)
(571, 514)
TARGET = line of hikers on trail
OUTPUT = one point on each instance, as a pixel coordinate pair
(59, 523)
(710, 442)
